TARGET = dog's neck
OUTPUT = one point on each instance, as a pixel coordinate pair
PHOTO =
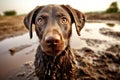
(54, 58)
(63, 65)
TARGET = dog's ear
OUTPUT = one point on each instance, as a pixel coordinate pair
(77, 17)
(30, 19)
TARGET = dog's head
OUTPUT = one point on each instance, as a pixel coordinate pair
(53, 25)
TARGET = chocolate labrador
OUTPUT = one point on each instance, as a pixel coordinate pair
(54, 59)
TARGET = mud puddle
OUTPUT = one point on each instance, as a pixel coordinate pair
(24, 49)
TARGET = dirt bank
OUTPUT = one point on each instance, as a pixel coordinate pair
(103, 16)
(11, 26)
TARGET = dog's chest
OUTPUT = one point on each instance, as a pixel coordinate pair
(55, 71)
(49, 69)
(58, 69)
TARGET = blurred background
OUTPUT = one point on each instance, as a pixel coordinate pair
(100, 38)
(25, 6)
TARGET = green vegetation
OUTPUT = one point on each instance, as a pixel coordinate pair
(10, 13)
(113, 8)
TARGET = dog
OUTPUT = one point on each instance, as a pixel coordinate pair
(54, 59)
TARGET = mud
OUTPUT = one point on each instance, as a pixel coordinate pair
(110, 33)
(103, 65)
(100, 65)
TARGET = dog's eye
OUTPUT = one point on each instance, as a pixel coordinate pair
(41, 21)
(63, 20)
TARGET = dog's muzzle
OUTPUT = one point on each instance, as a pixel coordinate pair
(53, 44)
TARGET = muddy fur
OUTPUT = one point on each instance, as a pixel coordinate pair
(60, 68)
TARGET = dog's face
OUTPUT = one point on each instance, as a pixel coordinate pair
(53, 25)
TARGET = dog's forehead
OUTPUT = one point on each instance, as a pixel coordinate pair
(53, 9)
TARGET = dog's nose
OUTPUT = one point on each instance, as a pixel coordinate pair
(53, 39)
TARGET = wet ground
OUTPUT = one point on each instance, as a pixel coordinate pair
(97, 50)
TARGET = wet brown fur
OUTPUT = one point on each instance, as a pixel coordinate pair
(55, 65)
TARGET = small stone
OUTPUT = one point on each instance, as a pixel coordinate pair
(26, 64)
(12, 51)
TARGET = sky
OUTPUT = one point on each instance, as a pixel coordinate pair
(25, 6)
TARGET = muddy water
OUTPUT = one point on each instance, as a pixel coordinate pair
(9, 63)
(91, 31)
